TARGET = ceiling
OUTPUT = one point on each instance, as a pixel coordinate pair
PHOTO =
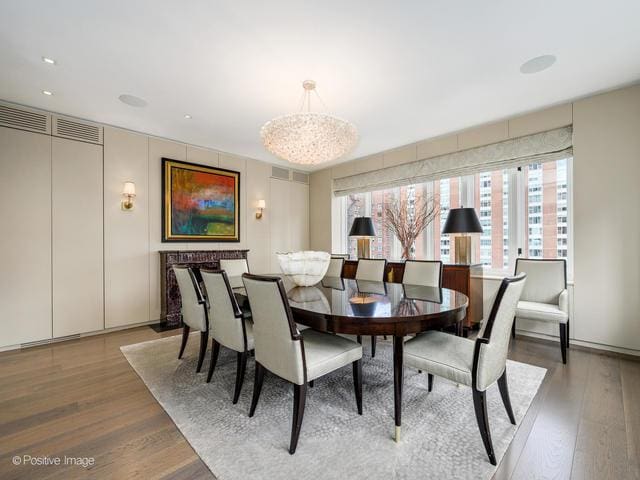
(400, 71)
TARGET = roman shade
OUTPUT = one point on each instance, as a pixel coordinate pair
(516, 152)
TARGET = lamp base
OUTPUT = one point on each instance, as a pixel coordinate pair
(364, 249)
(463, 249)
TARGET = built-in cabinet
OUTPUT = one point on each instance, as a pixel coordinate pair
(289, 218)
(76, 236)
(25, 241)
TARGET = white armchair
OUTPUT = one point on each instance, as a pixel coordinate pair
(545, 297)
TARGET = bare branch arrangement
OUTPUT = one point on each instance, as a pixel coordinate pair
(407, 220)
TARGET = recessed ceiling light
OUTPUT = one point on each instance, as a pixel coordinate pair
(132, 100)
(47, 92)
(187, 116)
(48, 60)
(537, 64)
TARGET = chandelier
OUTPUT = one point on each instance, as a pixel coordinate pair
(307, 137)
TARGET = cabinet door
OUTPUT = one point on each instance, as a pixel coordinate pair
(299, 216)
(280, 220)
(77, 237)
(25, 242)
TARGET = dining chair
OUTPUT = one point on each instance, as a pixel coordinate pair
(234, 267)
(545, 297)
(371, 269)
(427, 273)
(193, 310)
(476, 363)
(228, 326)
(335, 267)
(297, 357)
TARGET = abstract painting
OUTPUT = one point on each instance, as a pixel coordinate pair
(200, 203)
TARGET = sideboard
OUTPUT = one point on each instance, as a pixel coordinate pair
(170, 295)
(464, 278)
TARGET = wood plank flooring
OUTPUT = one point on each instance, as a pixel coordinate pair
(82, 399)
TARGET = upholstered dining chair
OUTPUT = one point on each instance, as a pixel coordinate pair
(476, 363)
(193, 311)
(545, 297)
(427, 273)
(371, 269)
(298, 357)
(228, 326)
(234, 267)
(335, 267)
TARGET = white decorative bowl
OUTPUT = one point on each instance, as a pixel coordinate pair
(304, 268)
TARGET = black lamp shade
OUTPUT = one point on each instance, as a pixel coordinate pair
(362, 227)
(462, 220)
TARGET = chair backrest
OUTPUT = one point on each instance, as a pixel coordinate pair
(226, 325)
(193, 308)
(492, 344)
(234, 267)
(423, 272)
(371, 269)
(278, 343)
(335, 267)
(546, 279)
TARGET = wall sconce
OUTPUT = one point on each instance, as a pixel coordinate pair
(128, 194)
(261, 206)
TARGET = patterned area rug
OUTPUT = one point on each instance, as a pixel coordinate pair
(440, 437)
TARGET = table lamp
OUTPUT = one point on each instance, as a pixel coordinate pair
(465, 221)
(363, 230)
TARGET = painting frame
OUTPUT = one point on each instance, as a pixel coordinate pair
(168, 194)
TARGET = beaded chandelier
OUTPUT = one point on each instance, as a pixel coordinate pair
(308, 138)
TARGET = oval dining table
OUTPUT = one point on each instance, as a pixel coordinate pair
(358, 307)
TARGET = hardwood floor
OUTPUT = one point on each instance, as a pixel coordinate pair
(81, 399)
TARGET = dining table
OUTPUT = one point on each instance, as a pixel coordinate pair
(359, 307)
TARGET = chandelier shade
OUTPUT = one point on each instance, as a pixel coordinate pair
(308, 138)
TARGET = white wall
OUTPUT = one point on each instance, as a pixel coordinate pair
(86, 188)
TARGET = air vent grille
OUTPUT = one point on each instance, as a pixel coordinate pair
(77, 130)
(300, 177)
(281, 173)
(24, 119)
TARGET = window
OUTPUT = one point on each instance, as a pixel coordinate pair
(525, 209)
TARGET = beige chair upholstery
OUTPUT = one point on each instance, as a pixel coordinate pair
(226, 322)
(235, 268)
(371, 269)
(335, 267)
(299, 357)
(228, 326)
(193, 310)
(476, 363)
(427, 273)
(545, 297)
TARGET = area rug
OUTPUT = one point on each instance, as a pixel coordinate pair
(440, 437)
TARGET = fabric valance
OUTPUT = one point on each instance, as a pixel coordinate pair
(516, 152)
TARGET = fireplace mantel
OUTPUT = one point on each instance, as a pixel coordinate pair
(170, 295)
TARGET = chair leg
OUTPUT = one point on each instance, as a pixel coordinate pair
(215, 350)
(480, 407)
(203, 349)
(257, 388)
(504, 393)
(240, 369)
(299, 399)
(563, 341)
(359, 339)
(373, 345)
(567, 333)
(185, 337)
(357, 383)
(311, 384)
(430, 381)
(513, 328)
